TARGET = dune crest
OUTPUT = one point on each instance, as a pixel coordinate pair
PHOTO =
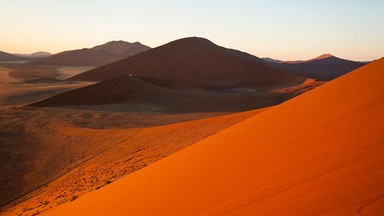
(319, 153)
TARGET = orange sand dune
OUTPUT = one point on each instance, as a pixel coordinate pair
(320, 153)
(80, 159)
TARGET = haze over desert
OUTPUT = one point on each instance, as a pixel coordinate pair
(192, 108)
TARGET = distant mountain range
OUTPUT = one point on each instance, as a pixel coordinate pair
(324, 67)
(168, 60)
(96, 56)
(11, 57)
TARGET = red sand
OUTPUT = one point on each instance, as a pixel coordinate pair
(56, 155)
(319, 153)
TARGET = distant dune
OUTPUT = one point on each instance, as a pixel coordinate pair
(325, 67)
(118, 90)
(319, 153)
(150, 94)
(96, 56)
(10, 57)
(195, 60)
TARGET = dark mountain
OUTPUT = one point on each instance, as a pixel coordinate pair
(325, 67)
(195, 60)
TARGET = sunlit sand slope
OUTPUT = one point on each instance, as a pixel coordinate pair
(320, 153)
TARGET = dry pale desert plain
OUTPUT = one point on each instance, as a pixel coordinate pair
(148, 135)
(320, 153)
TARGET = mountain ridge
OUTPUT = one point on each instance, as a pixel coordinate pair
(96, 56)
(324, 67)
(4, 56)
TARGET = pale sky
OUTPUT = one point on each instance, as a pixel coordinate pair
(285, 29)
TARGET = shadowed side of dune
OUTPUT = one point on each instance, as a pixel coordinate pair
(320, 153)
(127, 91)
(118, 90)
(151, 94)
